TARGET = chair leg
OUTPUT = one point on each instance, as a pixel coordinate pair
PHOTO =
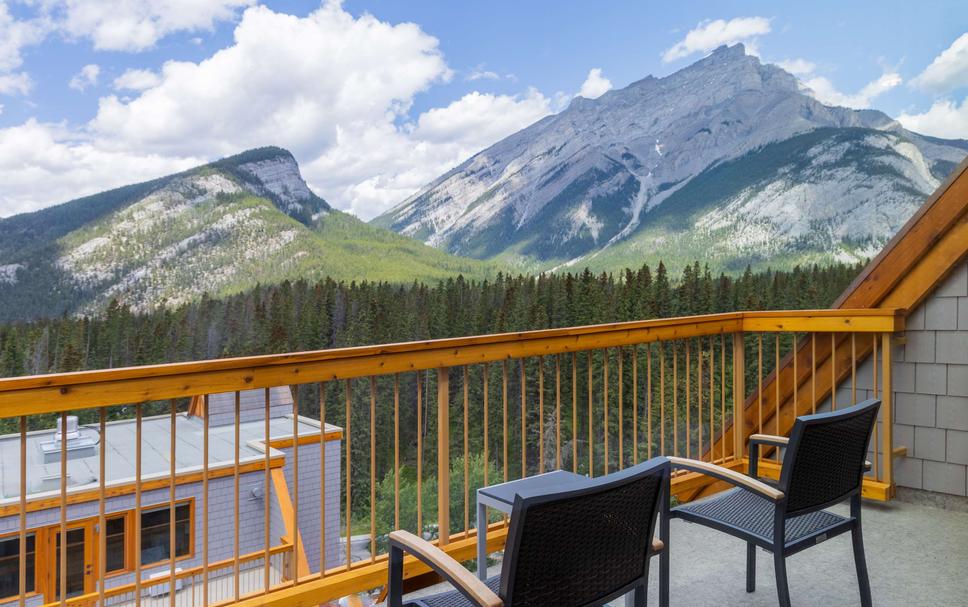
(750, 567)
(782, 589)
(860, 562)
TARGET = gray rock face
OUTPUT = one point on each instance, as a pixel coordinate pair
(594, 176)
(279, 176)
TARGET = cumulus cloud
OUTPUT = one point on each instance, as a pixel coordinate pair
(709, 35)
(945, 119)
(136, 80)
(797, 67)
(949, 70)
(85, 78)
(825, 91)
(595, 84)
(135, 25)
(17, 82)
(333, 88)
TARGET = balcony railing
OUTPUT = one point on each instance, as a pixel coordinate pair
(423, 424)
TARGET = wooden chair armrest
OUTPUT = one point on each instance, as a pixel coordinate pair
(474, 589)
(770, 439)
(730, 476)
(657, 545)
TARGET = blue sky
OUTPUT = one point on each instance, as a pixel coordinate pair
(377, 97)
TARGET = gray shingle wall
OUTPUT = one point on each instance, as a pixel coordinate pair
(930, 376)
(309, 503)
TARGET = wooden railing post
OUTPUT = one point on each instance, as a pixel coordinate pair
(739, 393)
(443, 454)
(887, 413)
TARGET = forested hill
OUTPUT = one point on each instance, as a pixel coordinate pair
(294, 316)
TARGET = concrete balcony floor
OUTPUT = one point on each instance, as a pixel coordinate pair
(916, 555)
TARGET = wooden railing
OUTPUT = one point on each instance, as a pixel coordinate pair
(425, 423)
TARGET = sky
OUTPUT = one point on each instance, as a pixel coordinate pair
(377, 98)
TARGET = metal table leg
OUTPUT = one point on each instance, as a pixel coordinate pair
(481, 540)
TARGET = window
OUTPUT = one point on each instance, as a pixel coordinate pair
(115, 531)
(10, 565)
(155, 540)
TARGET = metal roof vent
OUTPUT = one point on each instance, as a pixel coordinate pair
(80, 443)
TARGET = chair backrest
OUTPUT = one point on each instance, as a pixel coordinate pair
(576, 547)
(824, 461)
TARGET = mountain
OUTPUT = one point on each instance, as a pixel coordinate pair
(729, 161)
(219, 229)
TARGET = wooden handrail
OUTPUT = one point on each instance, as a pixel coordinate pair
(88, 389)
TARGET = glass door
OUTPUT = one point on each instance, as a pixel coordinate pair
(80, 570)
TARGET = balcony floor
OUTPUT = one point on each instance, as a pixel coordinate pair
(916, 555)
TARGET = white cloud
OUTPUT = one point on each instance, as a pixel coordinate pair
(85, 78)
(825, 91)
(709, 35)
(595, 84)
(135, 25)
(945, 119)
(949, 70)
(15, 35)
(17, 82)
(136, 80)
(333, 88)
(42, 164)
(797, 67)
(481, 74)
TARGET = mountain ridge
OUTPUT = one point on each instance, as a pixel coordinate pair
(559, 192)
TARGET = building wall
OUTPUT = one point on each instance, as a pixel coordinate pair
(222, 528)
(309, 503)
(930, 382)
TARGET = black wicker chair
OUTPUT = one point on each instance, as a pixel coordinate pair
(824, 464)
(565, 547)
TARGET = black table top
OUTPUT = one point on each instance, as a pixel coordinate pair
(505, 492)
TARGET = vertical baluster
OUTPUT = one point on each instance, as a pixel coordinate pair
(648, 400)
(833, 372)
(348, 393)
(139, 414)
(236, 477)
(541, 414)
(662, 416)
(487, 423)
(558, 411)
(574, 412)
(605, 406)
(591, 443)
(372, 469)
(443, 455)
(23, 510)
(63, 511)
(467, 469)
(635, 405)
(887, 415)
(621, 412)
(776, 383)
(675, 398)
(875, 440)
(504, 397)
(813, 372)
(322, 470)
(796, 374)
(759, 380)
(699, 362)
(524, 421)
(722, 395)
(420, 388)
(267, 538)
(688, 427)
(853, 368)
(205, 448)
(396, 450)
(712, 397)
(172, 552)
(739, 394)
(101, 498)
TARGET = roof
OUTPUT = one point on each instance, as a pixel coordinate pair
(43, 473)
